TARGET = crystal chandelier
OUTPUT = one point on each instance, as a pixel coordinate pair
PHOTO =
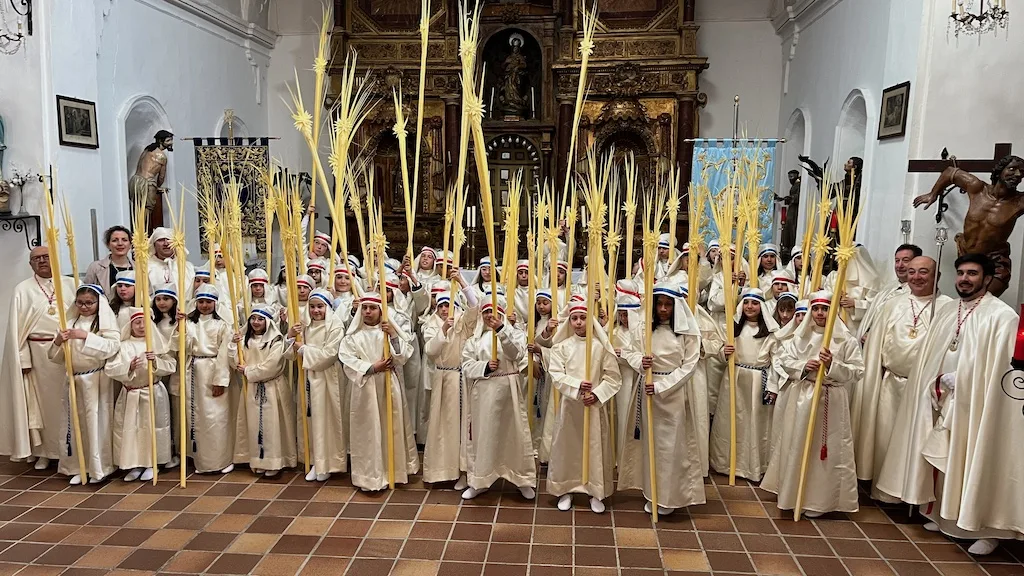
(15, 24)
(989, 16)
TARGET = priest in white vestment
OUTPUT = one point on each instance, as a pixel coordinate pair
(831, 482)
(32, 413)
(901, 266)
(890, 353)
(955, 450)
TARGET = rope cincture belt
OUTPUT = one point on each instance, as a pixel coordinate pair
(192, 398)
(766, 396)
(70, 408)
(639, 401)
(824, 423)
(261, 399)
(459, 370)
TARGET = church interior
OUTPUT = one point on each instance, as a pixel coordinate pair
(86, 84)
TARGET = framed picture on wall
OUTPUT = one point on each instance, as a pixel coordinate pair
(892, 120)
(76, 123)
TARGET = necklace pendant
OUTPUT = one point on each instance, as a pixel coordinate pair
(51, 310)
(953, 346)
(913, 333)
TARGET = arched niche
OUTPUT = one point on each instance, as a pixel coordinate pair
(511, 70)
(238, 128)
(851, 143)
(797, 143)
(139, 120)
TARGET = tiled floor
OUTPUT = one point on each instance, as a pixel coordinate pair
(237, 525)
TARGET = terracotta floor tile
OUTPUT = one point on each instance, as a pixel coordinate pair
(465, 552)
(508, 553)
(477, 514)
(370, 567)
(636, 537)
(808, 546)
(234, 564)
(594, 556)
(594, 571)
(48, 533)
(252, 543)
(946, 552)
(849, 548)
(190, 562)
(515, 516)
(959, 569)
(511, 533)
(898, 550)
(279, 565)
(459, 569)
(65, 500)
(246, 506)
(310, 526)
(862, 567)
(295, 544)
(584, 517)
(780, 564)
(63, 555)
(505, 569)
(230, 523)
(592, 536)
(210, 541)
(473, 532)
(877, 531)
(23, 552)
(153, 520)
(723, 541)
(431, 530)
(790, 528)
(390, 529)
(729, 562)
(407, 497)
(210, 504)
(913, 568)
(423, 549)
(712, 523)
(170, 539)
(552, 517)
(639, 558)
(129, 537)
(17, 530)
(632, 519)
(821, 566)
(136, 502)
(40, 514)
(554, 534)
(146, 559)
(438, 512)
(372, 548)
(269, 525)
(360, 510)
(225, 489)
(688, 560)
(261, 492)
(89, 535)
(103, 557)
(335, 494)
(29, 499)
(303, 493)
(346, 527)
(42, 571)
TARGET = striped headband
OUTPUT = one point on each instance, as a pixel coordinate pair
(824, 301)
(203, 273)
(342, 271)
(578, 307)
(523, 267)
(206, 296)
(127, 281)
(668, 292)
(94, 287)
(325, 299)
(801, 309)
(781, 278)
(444, 299)
(428, 249)
(166, 292)
(788, 295)
(304, 282)
(316, 265)
(628, 306)
(322, 236)
(768, 250)
(543, 294)
(439, 290)
(563, 264)
(629, 292)
(370, 300)
(749, 296)
(138, 314)
(263, 313)
(490, 305)
(257, 280)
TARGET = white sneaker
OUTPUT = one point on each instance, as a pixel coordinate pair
(42, 463)
(565, 502)
(462, 483)
(528, 492)
(931, 527)
(228, 470)
(647, 507)
(471, 493)
(133, 475)
(147, 475)
(76, 480)
(323, 477)
(257, 471)
(984, 547)
(662, 511)
(95, 480)
(596, 506)
(813, 514)
(271, 473)
(312, 474)
(174, 463)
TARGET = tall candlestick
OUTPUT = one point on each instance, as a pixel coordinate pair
(533, 104)
(490, 106)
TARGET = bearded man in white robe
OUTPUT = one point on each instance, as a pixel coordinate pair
(32, 387)
(956, 447)
(890, 353)
(163, 268)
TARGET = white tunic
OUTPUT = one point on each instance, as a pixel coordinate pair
(133, 428)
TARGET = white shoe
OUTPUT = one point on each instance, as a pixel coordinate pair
(462, 483)
(323, 477)
(229, 469)
(133, 475)
(931, 527)
(257, 471)
(565, 502)
(662, 511)
(984, 547)
(471, 493)
(528, 492)
(813, 514)
(42, 463)
(95, 480)
(596, 506)
(174, 463)
(76, 480)
(312, 474)
(271, 473)
(147, 475)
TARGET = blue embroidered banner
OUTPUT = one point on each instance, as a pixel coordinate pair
(712, 165)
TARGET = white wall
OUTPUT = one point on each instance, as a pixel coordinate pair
(744, 59)
(967, 100)
(863, 45)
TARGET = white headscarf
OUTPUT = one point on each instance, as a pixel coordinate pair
(160, 345)
(108, 321)
(683, 321)
(160, 233)
(565, 330)
(267, 313)
(808, 340)
(757, 295)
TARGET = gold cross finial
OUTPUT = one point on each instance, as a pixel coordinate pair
(229, 119)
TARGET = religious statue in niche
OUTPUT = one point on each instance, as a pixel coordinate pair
(511, 98)
(148, 180)
(790, 211)
(991, 216)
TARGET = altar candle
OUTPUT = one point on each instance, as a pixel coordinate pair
(1018, 351)
(490, 107)
(533, 104)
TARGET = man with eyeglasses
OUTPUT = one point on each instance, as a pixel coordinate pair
(32, 387)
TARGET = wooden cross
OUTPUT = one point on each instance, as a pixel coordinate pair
(976, 166)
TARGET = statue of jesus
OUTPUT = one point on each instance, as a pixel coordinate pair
(993, 212)
(148, 180)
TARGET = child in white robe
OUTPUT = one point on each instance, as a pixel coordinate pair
(755, 346)
(582, 391)
(123, 297)
(260, 291)
(317, 270)
(831, 482)
(445, 334)
(167, 318)
(93, 338)
(269, 403)
(622, 336)
(498, 436)
(134, 426)
(673, 359)
(210, 438)
(326, 386)
(345, 303)
(362, 354)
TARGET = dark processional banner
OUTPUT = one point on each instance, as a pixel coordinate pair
(244, 160)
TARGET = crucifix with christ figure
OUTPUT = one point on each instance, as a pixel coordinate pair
(993, 207)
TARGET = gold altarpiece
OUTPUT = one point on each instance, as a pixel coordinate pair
(644, 91)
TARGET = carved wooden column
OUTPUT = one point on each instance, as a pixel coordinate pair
(685, 129)
(689, 10)
(452, 126)
(565, 113)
